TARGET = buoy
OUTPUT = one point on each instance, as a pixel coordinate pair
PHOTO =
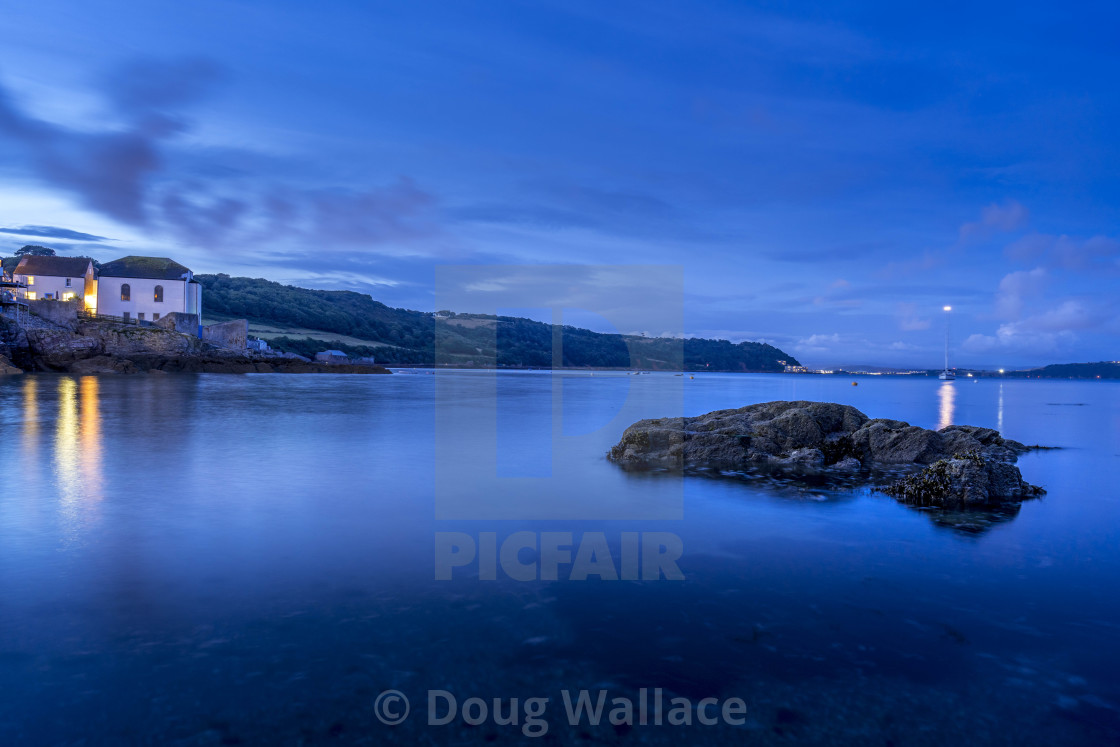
(692, 377)
(855, 383)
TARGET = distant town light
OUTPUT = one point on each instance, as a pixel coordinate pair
(948, 308)
(1001, 370)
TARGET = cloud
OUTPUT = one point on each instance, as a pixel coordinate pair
(562, 205)
(1050, 331)
(1068, 316)
(1067, 252)
(1014, 338)
(929, 260)
(817, 343)
(840, 294)
(122, 173)
(1017, 289)
(908, 318)
(150, 92)
(53, 232)
(1010, 216)
(105, 170)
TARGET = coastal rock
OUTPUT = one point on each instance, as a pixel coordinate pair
(100, 347)
(102, 364)
(973, 465)
(968, 479)
(13, 342)
(6, 367)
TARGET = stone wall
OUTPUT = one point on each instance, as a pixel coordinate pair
(233, 335)
(177, 321)
(62, 313)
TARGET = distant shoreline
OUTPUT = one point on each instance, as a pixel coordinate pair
(963, 376)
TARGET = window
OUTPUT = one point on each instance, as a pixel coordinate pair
(31, 280)
(155, 316)
(126, 292)
(68, 282)
(159, 294)
(67, 296)
(140, 316)
(32, 295)
(125, 313)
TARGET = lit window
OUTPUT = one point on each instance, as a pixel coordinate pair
(32, 295)
(67, 296)
(159, 294)
(126, 292)
(31, 280)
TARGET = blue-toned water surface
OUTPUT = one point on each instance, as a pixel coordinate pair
(249, 559)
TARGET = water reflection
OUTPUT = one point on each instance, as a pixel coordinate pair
(947, 395)
(999, 410)
(973, 522)
(77, 453)
(90, 438)
(30, 419)
(29, 436)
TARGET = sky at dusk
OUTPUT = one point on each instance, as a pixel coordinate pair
(826, 175)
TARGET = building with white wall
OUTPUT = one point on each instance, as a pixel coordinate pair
(146, 288)
(58, 279)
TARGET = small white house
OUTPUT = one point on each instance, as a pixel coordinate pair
(58, 279)
(146, 288)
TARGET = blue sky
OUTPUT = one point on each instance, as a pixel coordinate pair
(828, 176)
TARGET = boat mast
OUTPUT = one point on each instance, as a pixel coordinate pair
(947, 317)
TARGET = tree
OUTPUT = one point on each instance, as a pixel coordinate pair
(34, 250)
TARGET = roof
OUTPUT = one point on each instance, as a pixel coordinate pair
(153, 268)
(335, 353)
(58, 267)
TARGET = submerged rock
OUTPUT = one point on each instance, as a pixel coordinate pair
(965, 464)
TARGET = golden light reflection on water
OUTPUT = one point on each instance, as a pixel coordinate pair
(90, 439)
(947, 395)
(30, 439)
(77, 453)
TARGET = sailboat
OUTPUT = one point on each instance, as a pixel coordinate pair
(946, 374)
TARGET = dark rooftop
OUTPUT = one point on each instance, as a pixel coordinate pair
(59, 267)
(155, 268)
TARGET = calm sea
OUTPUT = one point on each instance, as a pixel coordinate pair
(253, 560)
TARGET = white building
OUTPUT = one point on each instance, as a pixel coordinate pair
(332, 356)
(58, 279)
(146, 288)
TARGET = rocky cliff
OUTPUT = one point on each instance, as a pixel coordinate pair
(93, 347)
